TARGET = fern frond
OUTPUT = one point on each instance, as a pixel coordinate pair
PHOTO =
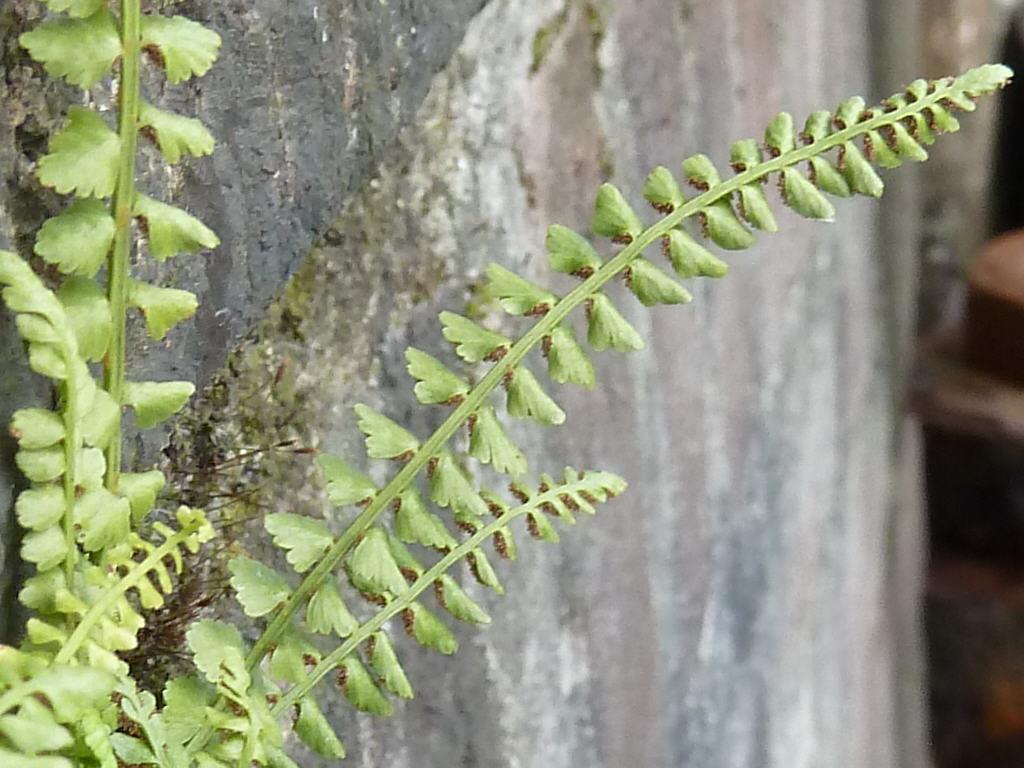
(381, 566)
(725, 208)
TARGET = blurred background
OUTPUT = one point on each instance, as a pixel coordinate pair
(969, 394)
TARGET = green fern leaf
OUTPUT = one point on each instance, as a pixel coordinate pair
(90, 467)
(526, 398)
(36, 428)
(746, 153)
(408, 565)
(570, 253)
(850, 111)
(360, 689)
(83, 157)
(345, 485)
(43, 465)
(156, 401)
(828, 178)
(95, 733)
(613, 216)
(46, 548)
(804, 198)
(38, 700)
(780, 136)
(516, 295)
(213, 643)
(701, 173)
(755, 210)
(541, 528)
(372, 567)
(450, 488)
(36, 329)
(662, 191)
(312, 727)
(722, 225)
(415, 524)
(132, 751)
(859, 174)
(171, 230)
(327, 613)
(260, 589)
(101, 518)
(185, 702)
(473, 343)
(77, 241)
(653, 286)
(288, 661)
(186, 47)
(428, 630)
(33, 730)
(88, 312)
(384, 438)
(384, 662)
(163, 308)
(141, 489)
(490, 444)
(81, 50)
(608, 329)
(68, 691)
(906, 146)
(76, 8)
(879, 152)
(691, 259)
(47, 360)
(40, 507)
(819, 125)
(435, 384)
(504, 543)
(568, 362)
(451, 597)
(175, 134)
(25, 292)
(99, 424)
(483, 572)
(305, 539)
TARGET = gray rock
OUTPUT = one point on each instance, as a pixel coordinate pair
(732, 608)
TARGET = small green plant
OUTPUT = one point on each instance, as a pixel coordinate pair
(66, 696)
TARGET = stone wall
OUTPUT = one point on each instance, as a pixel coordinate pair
(751, 601)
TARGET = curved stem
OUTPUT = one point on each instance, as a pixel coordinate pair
(124, 200)
(546, 325)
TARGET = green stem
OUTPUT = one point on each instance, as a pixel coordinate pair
(542, 328)
(124, 200)
(72, 445)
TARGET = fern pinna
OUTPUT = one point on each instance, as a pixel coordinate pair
(65, 696)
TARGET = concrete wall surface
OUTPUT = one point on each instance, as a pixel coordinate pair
(751, 600)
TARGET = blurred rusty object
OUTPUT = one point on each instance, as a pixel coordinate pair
(1004, 708)
(969, 394)
(995, 309)
(952, 394)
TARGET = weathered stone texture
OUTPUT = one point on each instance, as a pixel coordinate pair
(732, 609)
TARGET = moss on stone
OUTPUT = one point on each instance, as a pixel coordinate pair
(545, 37)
